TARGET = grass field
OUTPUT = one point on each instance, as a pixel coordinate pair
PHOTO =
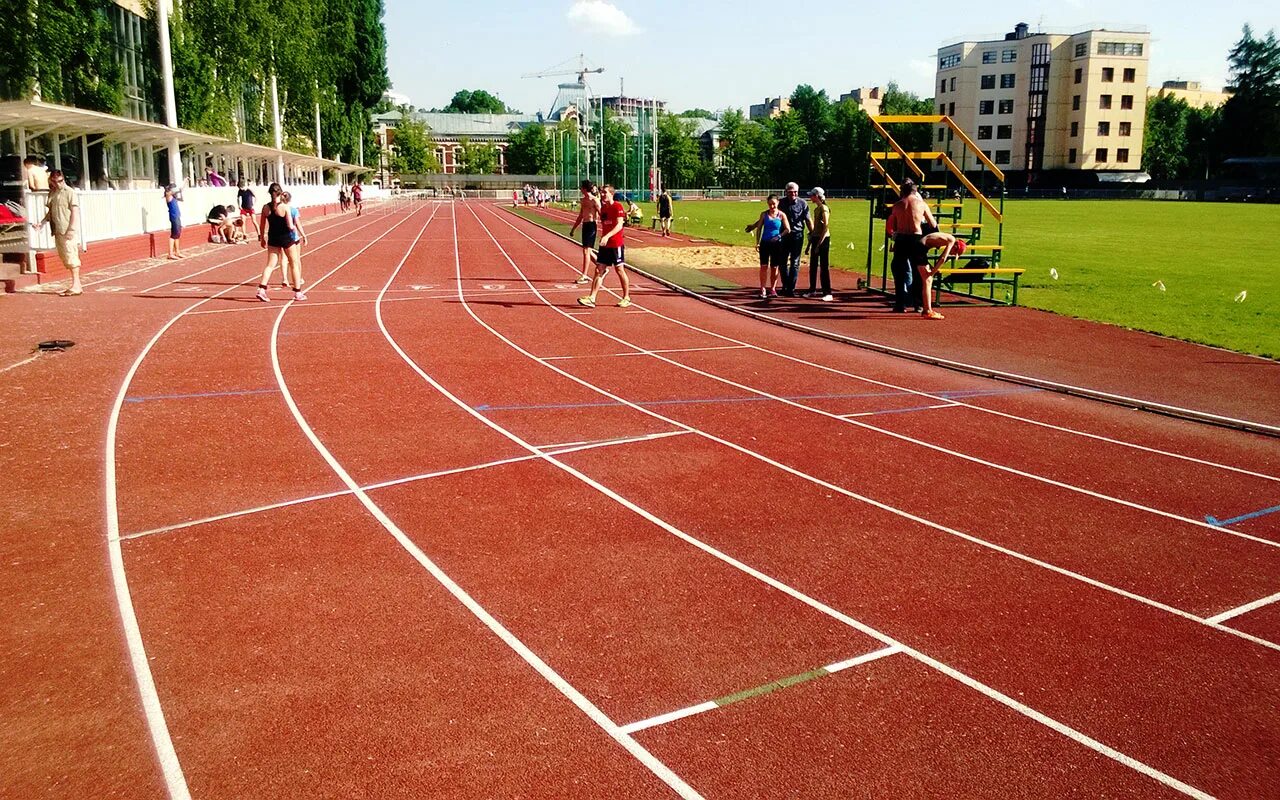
(1107, 253)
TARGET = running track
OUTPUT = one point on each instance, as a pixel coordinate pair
(440, 532)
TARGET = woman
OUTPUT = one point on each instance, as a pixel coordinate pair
(276, 235)
(770, 228)
(293, 272)
(819, 247)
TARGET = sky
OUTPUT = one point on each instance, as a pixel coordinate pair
(714, 55)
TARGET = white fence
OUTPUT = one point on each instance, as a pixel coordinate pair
(111, 214)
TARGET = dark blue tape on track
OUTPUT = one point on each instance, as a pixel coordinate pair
(1212, 520)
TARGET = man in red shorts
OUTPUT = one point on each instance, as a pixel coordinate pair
(612, 218)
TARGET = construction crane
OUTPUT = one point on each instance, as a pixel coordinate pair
(578, 91)
(564, 68)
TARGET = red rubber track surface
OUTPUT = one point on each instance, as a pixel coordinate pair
(679, 513)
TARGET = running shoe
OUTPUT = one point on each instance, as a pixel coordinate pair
(764, 294)
(582, 279)
(298, 295)
(773, 292)
(262, 295)
(586, 301)
(624, 302)
(933, 315)
(826, 298)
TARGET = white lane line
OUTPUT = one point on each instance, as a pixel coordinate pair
(918, 392)
(1244, 609)
(863, 659)
(898, 410)
(670, 716)
(20, 363)
(876, 503)
(575, 446)
(647, 352)
(951, 672)
(175, 781)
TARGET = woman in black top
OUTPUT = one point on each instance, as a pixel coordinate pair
(276, 234)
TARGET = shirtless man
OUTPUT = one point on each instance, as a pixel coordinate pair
(589, 219)
(906, 225)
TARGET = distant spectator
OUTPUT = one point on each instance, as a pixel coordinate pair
(819, 248)
(247, 200)
(213, 177)
(63, 216)
(797, 212)
(664, 212)
(36, 174)
(175, 222)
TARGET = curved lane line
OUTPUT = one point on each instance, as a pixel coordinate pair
(174, 780)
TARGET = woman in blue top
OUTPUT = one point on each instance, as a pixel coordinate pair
(293, 271)
(770, 228)
(175, 222)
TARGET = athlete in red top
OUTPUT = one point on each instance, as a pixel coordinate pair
(613, 217)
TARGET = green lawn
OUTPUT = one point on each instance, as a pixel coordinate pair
(1107, 253)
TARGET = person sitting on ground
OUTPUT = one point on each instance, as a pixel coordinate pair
(220, 229)
(238, 235)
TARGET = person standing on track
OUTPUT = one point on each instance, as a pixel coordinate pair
(63, 215)
(819, 248)
(770, 229)
(247, 199)
(175, 222)
(664, 212)
(276, 234)
(293, 271)
(357, 197)
(797, 212)
(588, 218)
(613, 217)
(905, 225)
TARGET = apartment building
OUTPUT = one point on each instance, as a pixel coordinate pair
(771, 107)
(867, 98)
(1036, 102)
(1192, 92)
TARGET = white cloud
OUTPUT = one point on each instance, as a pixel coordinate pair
(923, 67)
(602, 18)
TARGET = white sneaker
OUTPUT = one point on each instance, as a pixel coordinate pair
(826, 298)
(298, 295)
(262, 295)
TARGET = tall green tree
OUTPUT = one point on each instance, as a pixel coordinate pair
(529, 152)
(414, 149)
(479, 101)
(812, 110)
(1251, 117)
(1204, 141)
(677, 151)
(789, 149)
(1164, 137)
(895, 101)
(847, 146)
(697, 113)
(67, 48)
(477, 158)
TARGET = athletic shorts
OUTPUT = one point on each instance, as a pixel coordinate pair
(246, 212)
(588, 234)
(175, 230)
(909, 248)
(773, 254)
(610, 256)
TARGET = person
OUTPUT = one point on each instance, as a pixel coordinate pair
(246, 199)
(213, 177)
(797, 212)
(63, 216)
(905, 225)
(175, 222)
(770, 229)
(588, 217)
(293, 271)
(948, 247)
(220, 227)
(664, 212)
(36, 174)
(357, 197)
(634, 215)
(275, 234)
(819, 247)
(238, 236)
(612, 249)
(515, 198)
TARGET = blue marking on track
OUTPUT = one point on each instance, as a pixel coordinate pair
(1222, 523)
(948, 395)
(145, 398)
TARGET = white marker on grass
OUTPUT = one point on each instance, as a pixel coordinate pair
(1240, 298)
(1159, 285)
(1053, 273)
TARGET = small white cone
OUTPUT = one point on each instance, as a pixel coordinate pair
(1159, 285)
(850, 245)
(1053, 273)
(1240, 298)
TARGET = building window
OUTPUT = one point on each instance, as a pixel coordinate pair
(1004, 131)
(1071, 156)
(1130, 74)
(1075, 103)
(1006, 80)
(1002, 157)
(951, 109)
(947, 62)
(953, 84)
(1104, 128)
(1101, 155)
(1104, 102)
(1075, 129)
(1005, 107)
(941, 135)
(942, 86)
(984, 132)
(986, 107)
(1079, 74)
(988, 56)
(1126, 128)
(987, 153)
(942, 108)
(1082, 49)
(1126, 102)
(1108, 74)
(1120, 48)
(988, 82)
(1008, 56)
(1122, 156)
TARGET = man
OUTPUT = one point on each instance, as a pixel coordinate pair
(664, 212)
(247, 199)
(797, 212)
(357, 197)
(819, 248)
(63, 216)
(588, 217)
(906, 225)
(36, 174)
(175, 222)
(612, 250)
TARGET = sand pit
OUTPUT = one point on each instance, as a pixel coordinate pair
(720, 257)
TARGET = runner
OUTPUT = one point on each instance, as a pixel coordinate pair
(819, 247)
(357, 197)
(276, 234)
(588, 218)
(247, 199)
(664, 212)
(612, 249)
(293, 271)
(175, 222)
(770, 229)
(906, 225)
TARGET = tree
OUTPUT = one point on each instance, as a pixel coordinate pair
(788, 153)
(897, 102)
(530, 152)
(476, 102)
(1204, 141)
(477, 159)
(677, 151)
(1251, 117)
(697, 113)
(1164, 142)
(616, 134)
(415, 151)
(848, 146)
(812, 110)
(66, 46)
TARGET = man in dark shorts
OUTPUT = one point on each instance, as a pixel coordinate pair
(246, 198)
(588, 215)
(906, 225)
(664, 212)
(175, 222)
(613, 217)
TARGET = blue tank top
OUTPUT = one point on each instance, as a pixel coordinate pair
(772, 229)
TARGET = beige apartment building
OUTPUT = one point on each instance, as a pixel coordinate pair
(1192, 92)
(1041, 101)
